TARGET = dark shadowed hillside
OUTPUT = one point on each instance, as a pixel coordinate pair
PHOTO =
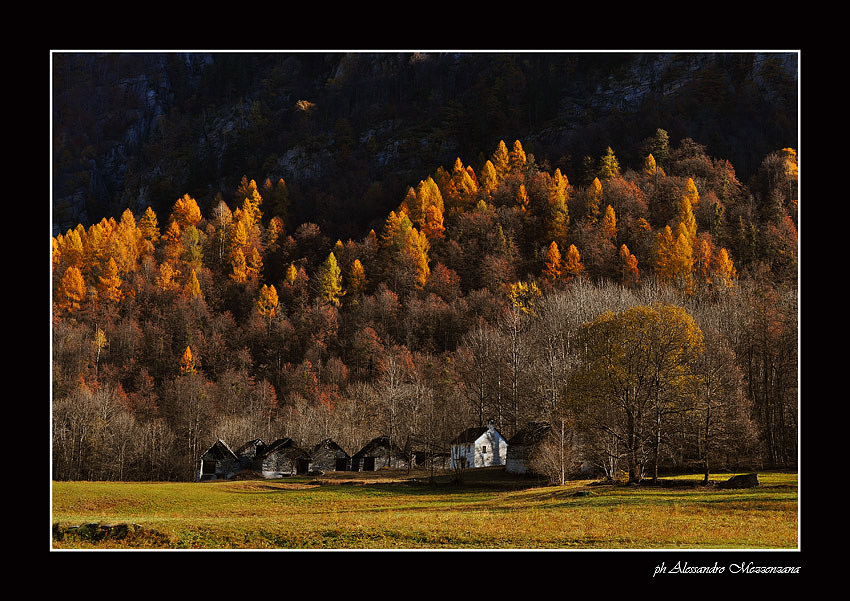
(349, 132)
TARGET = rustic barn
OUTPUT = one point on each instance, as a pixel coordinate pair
(281, 458)
(218, 462)
(522, 445)
(378, 453)
(249, 451)
(478, 447)
(328, 456)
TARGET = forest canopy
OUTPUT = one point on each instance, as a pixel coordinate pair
(481, 298)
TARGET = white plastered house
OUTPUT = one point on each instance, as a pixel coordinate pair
(478, 447)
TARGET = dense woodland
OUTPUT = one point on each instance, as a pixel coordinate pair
(650, 315)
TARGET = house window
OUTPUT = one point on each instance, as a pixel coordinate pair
(484, 448)
(208, 467)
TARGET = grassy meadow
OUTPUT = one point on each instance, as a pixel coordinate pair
(391, 510)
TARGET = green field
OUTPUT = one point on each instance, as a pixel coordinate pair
(391, 511)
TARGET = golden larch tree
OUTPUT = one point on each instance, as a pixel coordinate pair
(725, 273)
(593, 200)
(691, 193)
(628, 267)
(71, 291)
(524, 296)
(187, 362)
(610, 167)
(356, 278)
(166, 279)
(488, 180)
(149, 226)
(239, 268)
(649, 166)
(186, 212)
(552, 263)
(501, 160)
(433, 227)
(522, 198)
(517, 157)
(609, 224)
(192, 289)
(109, 284)
(330, 281)
(414, 251)
(573, 266)
(268, 302)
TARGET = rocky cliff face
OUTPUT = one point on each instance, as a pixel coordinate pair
(139, 129)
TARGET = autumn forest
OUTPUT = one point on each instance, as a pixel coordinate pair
(496, 291)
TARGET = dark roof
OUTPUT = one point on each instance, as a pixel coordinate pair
(531, 434)
(257, 443)
(378, 443)
(329, 443)
(284, 445)
(220, 449)
(469, 435)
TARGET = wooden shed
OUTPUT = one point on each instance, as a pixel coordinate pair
(328, 456)
(378, 453)
(218, 462)
(522, 445)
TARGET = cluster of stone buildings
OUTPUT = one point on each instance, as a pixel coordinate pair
(475, 447)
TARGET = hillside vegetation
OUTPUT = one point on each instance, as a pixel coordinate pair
(482, 296)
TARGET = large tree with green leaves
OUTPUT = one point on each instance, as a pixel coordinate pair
(635, 369)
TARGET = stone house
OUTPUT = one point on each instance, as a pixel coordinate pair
(376, 454)
(478, 447)
(218, 462)
(522, 445)
(328, 456)
(281, 458)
